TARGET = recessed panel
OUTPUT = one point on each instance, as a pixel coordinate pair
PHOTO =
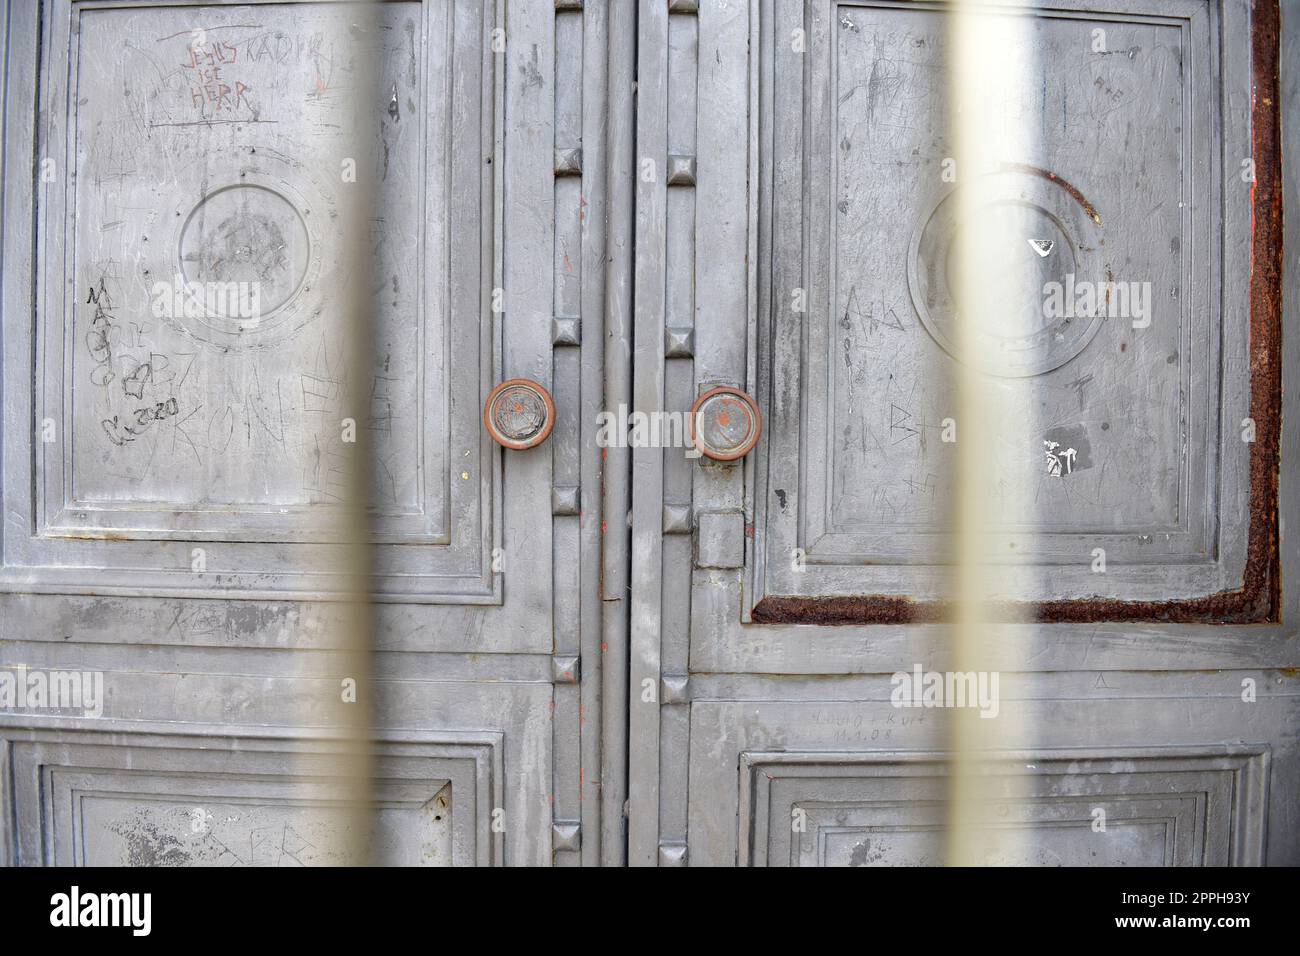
(1112, 343)
(162, 801)
(127, 830)
(191, 342)
(1086, 211)
(206, 365)
(1158, 809)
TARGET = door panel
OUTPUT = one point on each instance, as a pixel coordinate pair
(225, 163)
(788, 589)
(1168, 809)
(859, 468)
(180, 552)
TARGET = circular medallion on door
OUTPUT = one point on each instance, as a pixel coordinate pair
(1048, 233)
(255, 258)
(249, 235)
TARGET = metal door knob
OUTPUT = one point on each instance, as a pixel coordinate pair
(519, 413)
(725, 423)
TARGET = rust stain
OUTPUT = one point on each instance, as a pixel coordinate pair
(1258, 600)
(1050, 176)
(866, 609)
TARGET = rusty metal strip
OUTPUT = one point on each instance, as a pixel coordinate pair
(1258, 600)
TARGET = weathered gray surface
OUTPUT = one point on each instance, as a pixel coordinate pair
(859, 476)
(489, 170)
(516, 691)
(812, 171)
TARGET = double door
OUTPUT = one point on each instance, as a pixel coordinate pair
(265, 262)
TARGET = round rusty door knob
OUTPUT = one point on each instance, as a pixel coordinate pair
(519, 413)
(725, 423)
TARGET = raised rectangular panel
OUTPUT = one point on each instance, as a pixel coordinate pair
(218, 154)
(1132, 842)
(211, 143)
(178, 801)
(1128, 187)
(1161, 808)
(121, 824)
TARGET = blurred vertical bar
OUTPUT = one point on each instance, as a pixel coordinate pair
(358, 215)
(992, 87)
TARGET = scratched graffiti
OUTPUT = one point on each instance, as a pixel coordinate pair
(270, 834)
(213, 142)
(1117, 406)
(206, 74)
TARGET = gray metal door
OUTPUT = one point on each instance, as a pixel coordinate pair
(278, 274)
(184, 403)
(797, 249)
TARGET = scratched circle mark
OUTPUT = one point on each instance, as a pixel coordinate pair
(1046, 237)
(250, 235)
(519, 414)
(725, 424)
